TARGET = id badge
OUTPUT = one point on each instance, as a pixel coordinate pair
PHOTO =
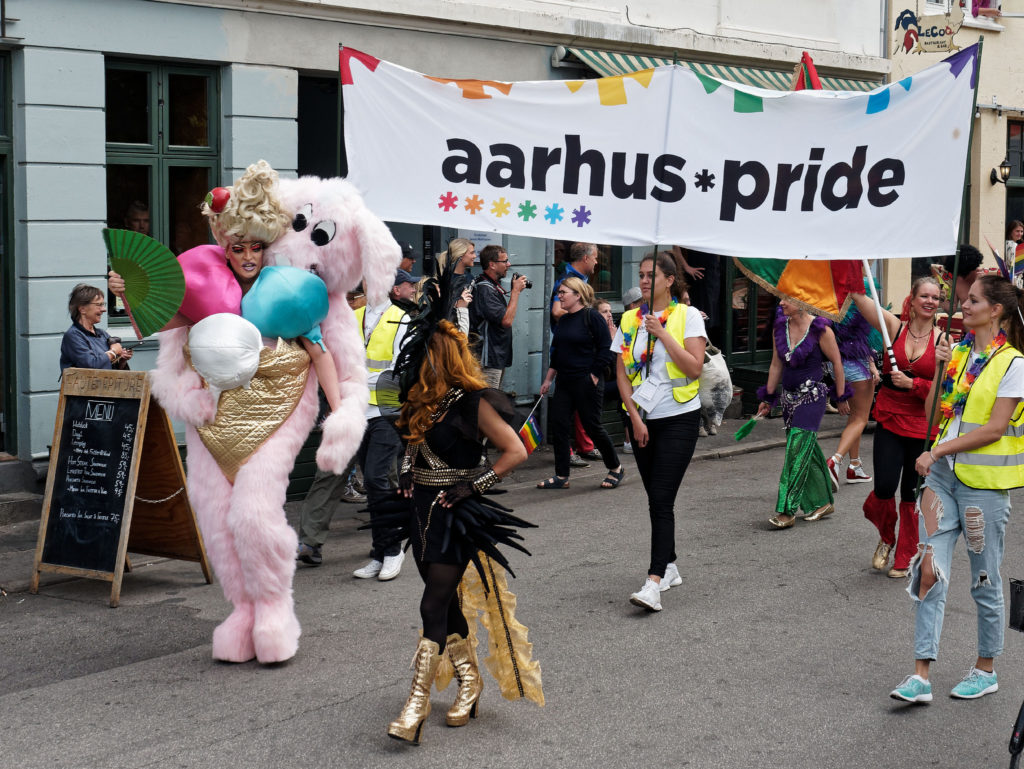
(646, 396)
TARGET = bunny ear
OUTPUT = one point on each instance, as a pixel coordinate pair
(379, 254)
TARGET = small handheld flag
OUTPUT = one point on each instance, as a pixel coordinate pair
(530, 433)
(746, 428)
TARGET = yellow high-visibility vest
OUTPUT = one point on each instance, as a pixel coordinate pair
(683, 388)
(380, 347)
(999, 465)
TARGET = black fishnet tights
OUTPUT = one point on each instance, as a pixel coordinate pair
(439, 607)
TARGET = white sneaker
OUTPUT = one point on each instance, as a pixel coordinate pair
(392, 565)
(671, 578)
(627, 448)
(371, 570)
(648, 597)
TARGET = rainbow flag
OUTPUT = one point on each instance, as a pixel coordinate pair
(530, 434)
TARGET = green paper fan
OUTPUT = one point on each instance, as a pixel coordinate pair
(154, 284)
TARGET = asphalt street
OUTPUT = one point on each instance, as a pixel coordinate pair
(778, 650)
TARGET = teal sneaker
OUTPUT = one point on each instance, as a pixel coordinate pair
(913, 689)
(977, 683)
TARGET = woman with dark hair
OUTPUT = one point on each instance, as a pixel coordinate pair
(968, 473)
(447, 411)
(660, 349)
(85, 344)
(967, 270)
(580, 353)
(795, 379)
(902, 423)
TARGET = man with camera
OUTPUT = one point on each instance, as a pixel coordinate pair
(492, 312)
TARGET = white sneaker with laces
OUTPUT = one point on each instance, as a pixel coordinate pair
(671, 578)
(647, 597)
(371, 570)
(855, 473)
(391, 566)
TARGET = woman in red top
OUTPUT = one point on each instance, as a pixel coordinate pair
(902, 423)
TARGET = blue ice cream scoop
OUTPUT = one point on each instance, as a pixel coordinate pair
(287, 302)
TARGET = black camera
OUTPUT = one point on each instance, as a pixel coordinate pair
(515, 277)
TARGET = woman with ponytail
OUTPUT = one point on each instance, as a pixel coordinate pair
(660, 349)
(978, 457)
(902, 423)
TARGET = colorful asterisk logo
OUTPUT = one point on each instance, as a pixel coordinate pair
(527, 211)
(554, 213)
(501, 207)
(474, 203)
(581, 216)
(448, 201)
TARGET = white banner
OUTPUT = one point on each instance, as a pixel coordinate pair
(667, 156)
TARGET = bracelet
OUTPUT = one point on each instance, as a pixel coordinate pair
(934, 458)
(485, 481)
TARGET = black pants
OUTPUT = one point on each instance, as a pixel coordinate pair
(662, 464)
(380, 447)
(894, 457)
(580, 395)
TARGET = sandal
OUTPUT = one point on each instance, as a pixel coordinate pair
(554, 482)
(613, 479)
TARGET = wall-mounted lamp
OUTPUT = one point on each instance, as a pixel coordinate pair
(1001, 174)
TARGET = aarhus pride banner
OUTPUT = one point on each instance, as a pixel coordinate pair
(668, 156)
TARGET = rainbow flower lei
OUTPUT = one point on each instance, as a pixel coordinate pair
(627, 338)
(954, 398)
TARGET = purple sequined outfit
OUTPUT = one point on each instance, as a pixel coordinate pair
(804, 394)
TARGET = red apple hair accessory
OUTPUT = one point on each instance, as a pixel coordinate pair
(217, 198)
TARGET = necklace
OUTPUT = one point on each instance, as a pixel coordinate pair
(954, 393)
(627, 337)
(928, 333)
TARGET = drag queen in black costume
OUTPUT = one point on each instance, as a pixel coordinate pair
(447, 410)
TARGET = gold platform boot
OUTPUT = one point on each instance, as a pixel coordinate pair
(409, 723)
(471, 685)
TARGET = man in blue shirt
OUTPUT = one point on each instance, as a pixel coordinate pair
(582, 261)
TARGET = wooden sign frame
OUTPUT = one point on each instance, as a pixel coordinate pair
(157, 517)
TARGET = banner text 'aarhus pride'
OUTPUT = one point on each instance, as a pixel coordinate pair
(668, 156)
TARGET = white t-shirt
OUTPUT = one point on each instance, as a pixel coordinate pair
(1010, 386)
(665, 404)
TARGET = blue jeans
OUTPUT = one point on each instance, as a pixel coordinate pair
(981, 516)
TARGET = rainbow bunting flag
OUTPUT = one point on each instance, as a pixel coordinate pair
(531, 434)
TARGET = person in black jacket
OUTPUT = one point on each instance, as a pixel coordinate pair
(580, 353)
(492, 313)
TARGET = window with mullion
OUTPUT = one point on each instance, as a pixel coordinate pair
(163, 150)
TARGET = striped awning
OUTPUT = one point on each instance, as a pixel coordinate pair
(607, 64)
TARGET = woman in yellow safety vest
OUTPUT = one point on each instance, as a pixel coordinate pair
(978, 456)
(660, 357)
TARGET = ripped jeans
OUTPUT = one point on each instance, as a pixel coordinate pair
(981, 516)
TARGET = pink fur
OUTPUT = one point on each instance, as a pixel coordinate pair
(361, 249)
(248, 540)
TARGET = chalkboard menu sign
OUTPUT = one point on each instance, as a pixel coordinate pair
(87, 505)
(97, 504)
